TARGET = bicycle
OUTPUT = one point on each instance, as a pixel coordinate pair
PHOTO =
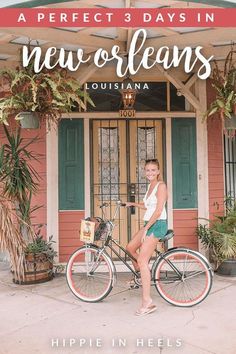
(181, 276)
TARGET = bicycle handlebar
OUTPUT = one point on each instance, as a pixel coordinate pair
(118, 203)
(104, 205)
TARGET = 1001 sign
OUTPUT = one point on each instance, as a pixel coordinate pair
(127, 113)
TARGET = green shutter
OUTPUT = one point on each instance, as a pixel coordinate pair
(71, 164)
(184, 163)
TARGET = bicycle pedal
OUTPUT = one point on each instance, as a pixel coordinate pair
(132, 284)
(135, 286)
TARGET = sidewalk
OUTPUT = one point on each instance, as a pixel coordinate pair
(47, 318)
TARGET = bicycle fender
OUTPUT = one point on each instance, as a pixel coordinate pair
(181, 249)
(113, 268)
(172, 248)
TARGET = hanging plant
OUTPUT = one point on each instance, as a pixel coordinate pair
(224, 83)
(49, 94)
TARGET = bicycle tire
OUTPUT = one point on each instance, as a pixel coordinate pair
(86, 286)
(196, 281)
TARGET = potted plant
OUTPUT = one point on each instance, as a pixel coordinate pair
(19, 181)
(224, 83)
(38, 261)
(18, 177)
(44, 96)
(220, 238)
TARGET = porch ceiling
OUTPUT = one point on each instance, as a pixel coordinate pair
(216, 41)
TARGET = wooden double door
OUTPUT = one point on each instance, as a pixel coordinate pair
(119, 150)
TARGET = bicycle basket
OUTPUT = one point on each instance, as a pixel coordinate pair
(102, 230)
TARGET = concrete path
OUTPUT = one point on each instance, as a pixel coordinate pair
(47, 319)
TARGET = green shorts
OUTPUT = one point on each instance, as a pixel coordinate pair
(158, 229)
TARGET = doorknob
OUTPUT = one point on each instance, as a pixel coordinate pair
(132, 190)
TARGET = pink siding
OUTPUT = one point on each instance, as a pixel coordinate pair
(40, 199)
(215, 160)
(185, 223)
(69, 226)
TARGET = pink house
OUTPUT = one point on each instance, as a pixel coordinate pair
(97, 156)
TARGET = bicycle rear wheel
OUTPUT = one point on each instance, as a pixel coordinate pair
(90, 274)
(183, 277)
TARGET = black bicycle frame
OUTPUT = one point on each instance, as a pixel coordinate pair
(108, 243)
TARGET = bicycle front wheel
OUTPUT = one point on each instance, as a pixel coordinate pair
(183, 278)
(90, 274)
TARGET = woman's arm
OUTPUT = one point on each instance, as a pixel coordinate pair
(161, 195)
(138, 205)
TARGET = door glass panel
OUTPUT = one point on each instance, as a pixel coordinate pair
(145, 143)
(110, 172)
(145, 150)
(108, 160)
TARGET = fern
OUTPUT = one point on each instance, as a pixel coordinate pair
(220, 235)
(48, 93)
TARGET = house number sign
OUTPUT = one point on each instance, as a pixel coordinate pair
(127, 113)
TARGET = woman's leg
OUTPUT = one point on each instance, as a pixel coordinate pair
(145, 254)
(132, 247)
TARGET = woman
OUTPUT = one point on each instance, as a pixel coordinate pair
(154, 229)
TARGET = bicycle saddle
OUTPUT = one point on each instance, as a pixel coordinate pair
(168, 236)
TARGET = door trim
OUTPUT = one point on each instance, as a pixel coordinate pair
(138, 115)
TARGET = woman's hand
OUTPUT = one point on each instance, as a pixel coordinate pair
(135, 204)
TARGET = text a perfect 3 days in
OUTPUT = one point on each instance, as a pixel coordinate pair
(108, 17)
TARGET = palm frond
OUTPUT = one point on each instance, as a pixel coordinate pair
(10, 237)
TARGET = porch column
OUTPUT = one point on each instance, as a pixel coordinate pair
(87, 168)
(52, 188)
(169, 178)
(202, 158)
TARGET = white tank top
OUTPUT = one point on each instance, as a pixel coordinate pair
(151, 204)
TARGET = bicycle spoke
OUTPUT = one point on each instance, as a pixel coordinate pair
(89, 274)
(194, 284)
(195, 274)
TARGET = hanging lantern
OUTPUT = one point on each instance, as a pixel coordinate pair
(128, 94)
